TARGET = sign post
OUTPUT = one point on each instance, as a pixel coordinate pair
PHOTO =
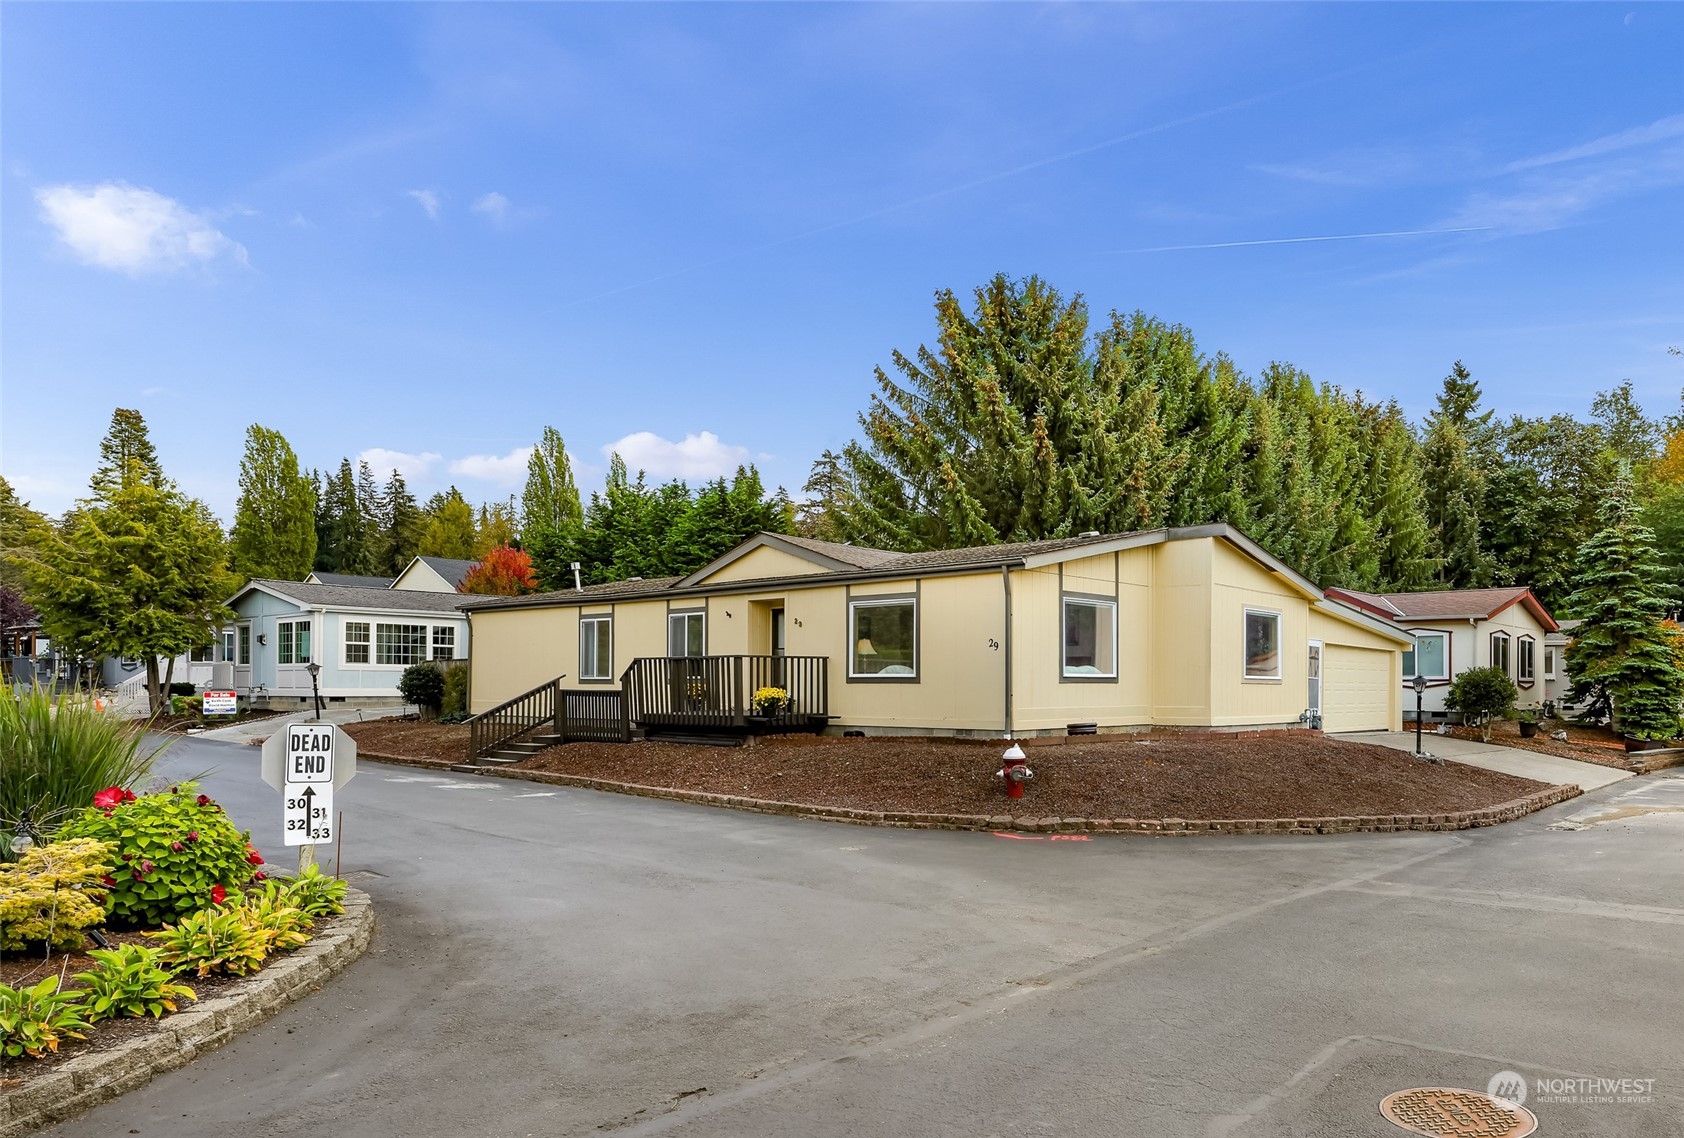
(306, 761)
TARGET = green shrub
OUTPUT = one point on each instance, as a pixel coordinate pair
(34, 1020)
(55, 759)
(180, 688)
(315, 893)
(179, 853)
(129, 980)
(223, 938)
(53, 892)
(423, 685)
(282, 924)
(186, 705)
(453, 704)
(1482, 695)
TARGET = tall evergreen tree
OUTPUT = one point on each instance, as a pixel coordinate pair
(1624, 657)
(126, 454)
(1458, 454)
(449, 529)
(274, 531)
(403, 526)
(346, 537)
(498, 525)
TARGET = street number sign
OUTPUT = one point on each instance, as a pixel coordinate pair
(221, 703)
(306, 762)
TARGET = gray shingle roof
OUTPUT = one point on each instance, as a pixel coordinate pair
(606, 592)
(361, 597)
(450, 568)
(353, 579)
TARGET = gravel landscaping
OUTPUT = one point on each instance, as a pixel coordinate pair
(1162, 775)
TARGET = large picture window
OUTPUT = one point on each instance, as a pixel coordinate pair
(444, 642)
(884, 638)
(596, 648)
(1090, 639)
(687, 634)
(356, 641)
(1262, 645)
(1500, 650)
(403, 644)
(292, 642)
(1430, 657)
(1526, 660)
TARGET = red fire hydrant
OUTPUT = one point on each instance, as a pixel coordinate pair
(1015, 771)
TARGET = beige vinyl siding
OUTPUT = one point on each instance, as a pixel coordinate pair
(765, 562)
(421, 578)
(1237, 584)
(1181, 646)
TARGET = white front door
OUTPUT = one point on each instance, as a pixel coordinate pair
(1315, 678)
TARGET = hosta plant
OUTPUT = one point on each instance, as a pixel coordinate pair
(129, 980)
(282, 924)
(34, 1020)
(54, 892)
(317, 894)
(177, 851)
(224, 938)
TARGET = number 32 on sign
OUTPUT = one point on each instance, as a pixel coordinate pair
(307, 813)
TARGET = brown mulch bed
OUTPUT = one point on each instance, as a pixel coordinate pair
(412, 739)
(1162, 775)
(1586, 744)
(178, 724)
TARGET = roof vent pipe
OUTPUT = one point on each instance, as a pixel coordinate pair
(578, 586)
(1089, 533)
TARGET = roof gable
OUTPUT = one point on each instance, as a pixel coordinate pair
(361, 598)
(434, 574)
(1450, 604)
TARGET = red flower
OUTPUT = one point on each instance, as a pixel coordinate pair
(128, 796)
(260, 876)
(128, 857)
(192, 835)
(176, 846)
(108, 881)
(218, 894)
(135, 874)
(146, 867)
(109, 797)
(204, 800)
(252, 856)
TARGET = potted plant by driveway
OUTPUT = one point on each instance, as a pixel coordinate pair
(770, 702)
(1528, 720)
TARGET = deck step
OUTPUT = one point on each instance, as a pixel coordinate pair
(697, 740)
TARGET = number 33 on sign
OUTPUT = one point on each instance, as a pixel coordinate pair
(307, 817)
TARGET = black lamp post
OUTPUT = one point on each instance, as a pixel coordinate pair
(1419, 683)
(315, 671)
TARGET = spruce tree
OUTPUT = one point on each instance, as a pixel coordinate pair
(1458, 455)
(274, 531)
(404, 524)
(126, 454)
(1624, 657)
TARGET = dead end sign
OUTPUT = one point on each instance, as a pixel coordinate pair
(306, 762)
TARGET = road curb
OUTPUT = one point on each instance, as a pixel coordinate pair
(1355, 824)
(89, 1080)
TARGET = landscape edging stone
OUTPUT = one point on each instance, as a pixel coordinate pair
(100, 1076)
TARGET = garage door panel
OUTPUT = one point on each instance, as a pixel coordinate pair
(1356, 689)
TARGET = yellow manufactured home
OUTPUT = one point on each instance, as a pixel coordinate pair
(1196, 627)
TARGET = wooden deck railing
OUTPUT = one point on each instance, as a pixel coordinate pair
(717, 692)
(576, 716)
(511, 719)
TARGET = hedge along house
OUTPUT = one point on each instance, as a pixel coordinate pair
(363, 637)
(1459, 629)
(1195, 628)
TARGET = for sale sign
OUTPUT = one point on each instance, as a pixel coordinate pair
(221, 703)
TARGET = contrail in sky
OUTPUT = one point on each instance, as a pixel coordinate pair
(1302, 240)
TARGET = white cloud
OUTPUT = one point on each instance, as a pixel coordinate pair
(133, 230)
(429, 202)
(494, 206)
(695, 456)
(1658, 131)
(411, 466)
(1546, 200)
(502, 470)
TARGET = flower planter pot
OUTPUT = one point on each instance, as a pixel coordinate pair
(1528, 730)
(1640, 744)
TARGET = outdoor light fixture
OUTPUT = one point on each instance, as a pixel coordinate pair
(315, 671)
(1419, 683)
(263, 638)
(22, 843)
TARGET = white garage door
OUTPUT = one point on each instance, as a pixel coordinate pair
(1357, 689)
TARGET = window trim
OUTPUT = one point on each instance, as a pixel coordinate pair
(1522, 643)
(1550, 654)
(686, 614)
(366, 645)
(1508, 652)
(292, 625)
(1449, 644)
(433, 641)
(1280, 646)
(242, 645)
(1092, 600)
(608, 619)
(427, 648)
(884, 600)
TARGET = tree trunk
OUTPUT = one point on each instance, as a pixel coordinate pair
(169, 678)
(152, 684)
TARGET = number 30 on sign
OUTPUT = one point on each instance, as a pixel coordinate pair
(307, 815)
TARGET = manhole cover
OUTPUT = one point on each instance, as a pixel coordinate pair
(1448, 1112)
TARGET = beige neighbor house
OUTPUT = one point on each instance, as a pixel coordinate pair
(1196, 628)
(1459, 629)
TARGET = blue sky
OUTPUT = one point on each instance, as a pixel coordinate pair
(692, 231)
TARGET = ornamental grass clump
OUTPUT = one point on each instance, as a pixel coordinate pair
(177, 853)
(54, 892)
(56, 757)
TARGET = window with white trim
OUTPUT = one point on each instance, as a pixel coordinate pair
(596, 647)
(401, 644)
(292, 642)
(687, 634)
(203, 654)
(228, 645)
(444, 642)
(1500, 650)
(1526, 659)
(883, 635)
(1090, 638)
(1429, 658)
(357, 641)
(1262, 644)
(1549, 662)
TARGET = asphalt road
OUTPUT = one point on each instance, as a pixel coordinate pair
(560, 962)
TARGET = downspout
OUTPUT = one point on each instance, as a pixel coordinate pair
(1006, 586)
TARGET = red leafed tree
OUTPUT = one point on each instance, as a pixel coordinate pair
(504, 572)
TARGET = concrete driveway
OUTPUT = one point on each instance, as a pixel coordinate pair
(563, 962)
(1510, 760)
